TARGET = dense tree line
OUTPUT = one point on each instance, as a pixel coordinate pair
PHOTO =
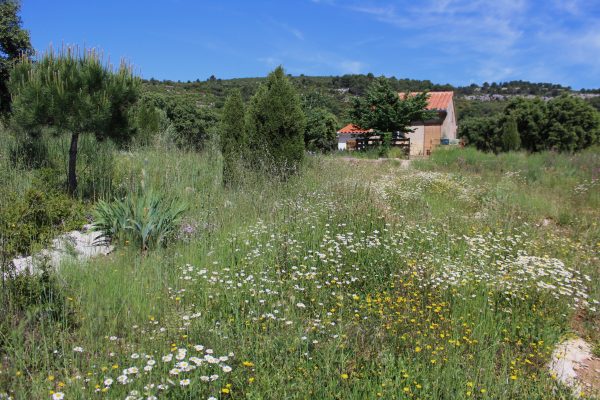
(178, 119)
(337, 92)
(357, 84)
(565, 123)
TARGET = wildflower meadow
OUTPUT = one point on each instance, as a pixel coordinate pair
(451, 279)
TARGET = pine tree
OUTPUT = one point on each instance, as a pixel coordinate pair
(74, 93)
(275, 124)
(511, 141)
(233, 137)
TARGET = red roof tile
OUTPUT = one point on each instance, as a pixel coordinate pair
(351, 128)
(436, 100)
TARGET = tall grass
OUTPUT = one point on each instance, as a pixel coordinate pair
(322, 285)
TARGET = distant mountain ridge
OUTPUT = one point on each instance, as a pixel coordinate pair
(356, 85)
(335, 93)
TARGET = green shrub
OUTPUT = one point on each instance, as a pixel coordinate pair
(28, 290)
(564, 123)
(181, 119)
(596, 350)
(321, 130)
(32, 305)
(36, 216)
(146, 219)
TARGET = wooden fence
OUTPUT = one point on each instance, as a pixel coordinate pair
(363, 143)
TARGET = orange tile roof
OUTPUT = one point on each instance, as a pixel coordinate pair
(436, 100)
(351, 128)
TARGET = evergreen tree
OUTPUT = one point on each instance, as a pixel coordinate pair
(275, 124)
(511, 140)
(383, 110)
(14, 42)
(233, 137)
(75, 94)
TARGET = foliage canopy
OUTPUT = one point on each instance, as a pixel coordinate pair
(565, 123)
(383, 110)
(321, 130)
(73, 92)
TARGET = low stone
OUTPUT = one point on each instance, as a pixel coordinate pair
(566, 360)
(74, 245)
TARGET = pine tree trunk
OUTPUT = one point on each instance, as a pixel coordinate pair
(72, 178)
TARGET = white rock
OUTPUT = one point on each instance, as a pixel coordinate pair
(566, 359)
(78, 245)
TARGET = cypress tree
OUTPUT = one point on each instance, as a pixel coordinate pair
(233, 137)
(511, 141)
(275, 124)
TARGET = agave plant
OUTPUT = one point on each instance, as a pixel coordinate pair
(144, 218)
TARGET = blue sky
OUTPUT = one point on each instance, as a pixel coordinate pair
(446, 41)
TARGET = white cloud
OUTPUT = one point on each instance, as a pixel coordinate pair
(351, 67)
(494, 40)
(271, 62)
(297, 33)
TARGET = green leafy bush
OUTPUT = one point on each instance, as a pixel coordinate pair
(321, 130)
(37, 216)
(180, 117)
(33, 303)
(564, 123)
(145, 219)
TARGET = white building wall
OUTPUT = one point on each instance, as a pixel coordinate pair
(417, 139)
(343, 139)
(449, 125)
